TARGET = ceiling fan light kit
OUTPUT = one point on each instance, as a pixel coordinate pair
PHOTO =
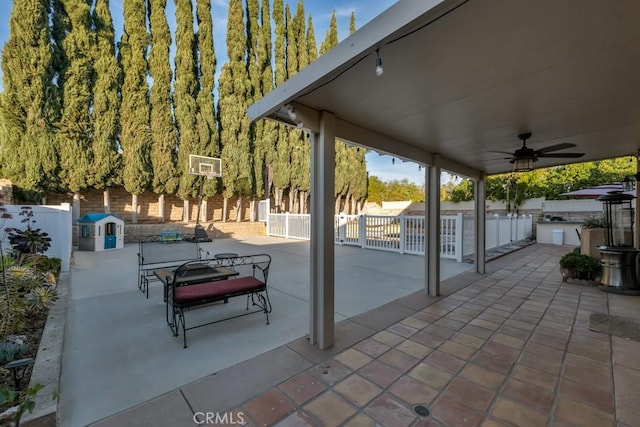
(524, 157)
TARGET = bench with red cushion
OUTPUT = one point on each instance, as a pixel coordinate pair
(253, 271)
(218, 290)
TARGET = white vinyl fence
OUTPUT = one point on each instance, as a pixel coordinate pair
(406, 233)
(54, 220)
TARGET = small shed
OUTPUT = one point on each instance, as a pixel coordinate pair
(100, 231)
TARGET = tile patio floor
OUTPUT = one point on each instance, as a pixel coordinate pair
(511, 347)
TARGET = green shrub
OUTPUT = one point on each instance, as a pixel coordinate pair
(580, 266)
(594, 222)
(42, 263)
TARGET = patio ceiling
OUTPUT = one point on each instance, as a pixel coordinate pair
(463, 78)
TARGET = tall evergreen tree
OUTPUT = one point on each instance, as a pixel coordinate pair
(267, 140)
(184, 98)
(282, 157)
(342, 151)
(135, 136)
(352, 23)
(237, 173)
(331, 38)
(206, 119)
(164, 138)
(255, 64)
(106, 160)
(28, 154)
(301, 150)
(75, 130)
(312, 48)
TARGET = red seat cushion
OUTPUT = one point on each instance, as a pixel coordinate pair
(217, 290)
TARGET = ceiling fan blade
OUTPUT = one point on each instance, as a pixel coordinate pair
(556, 147)
(562, 155)
(501, 152)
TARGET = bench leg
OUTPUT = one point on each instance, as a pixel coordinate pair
(178, 322)
(262, 301)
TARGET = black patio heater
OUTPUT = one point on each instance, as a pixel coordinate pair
(619, 274)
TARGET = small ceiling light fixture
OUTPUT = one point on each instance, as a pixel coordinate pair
(523, 164)
(291, 110)
(379, 69)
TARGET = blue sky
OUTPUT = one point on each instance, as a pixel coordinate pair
(320, 10)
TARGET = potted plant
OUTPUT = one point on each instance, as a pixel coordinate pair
(575, 265)
(593, 231)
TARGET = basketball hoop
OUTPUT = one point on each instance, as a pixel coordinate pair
(209, 174)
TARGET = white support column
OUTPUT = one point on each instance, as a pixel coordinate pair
(403, 233)
(459, 237)
(432, 246)
(321, 330)
(480, 191)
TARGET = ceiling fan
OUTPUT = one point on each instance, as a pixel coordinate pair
(524, 157)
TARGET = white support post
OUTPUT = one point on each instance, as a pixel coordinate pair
(362, 230)
(459, 237)
(403, 232)
(321, 328)
(286, 224)
(480, 191)
(203, 211)
(432, 246)
(268, 220)
(497, 218)
(342, 228)
(161, 207)
(75, 208)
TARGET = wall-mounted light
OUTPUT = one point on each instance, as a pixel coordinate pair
(393, 160)
(379, 69)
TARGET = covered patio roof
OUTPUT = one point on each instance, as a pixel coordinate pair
(463, 78)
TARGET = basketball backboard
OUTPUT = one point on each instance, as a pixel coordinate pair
(205, 166)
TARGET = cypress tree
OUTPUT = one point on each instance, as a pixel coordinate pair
(135, 137)
(342, 151)
(255, 65)
(28, 152)
(164, 138)
(106, 160)
(267, 142)
(75, 128)
(301, 151)
(312, 48)
(281, 158)
(237, 174)
(357, 192)
(352, 23)
(206, 125)
(331, 38)
(184, 98)
(304, 180)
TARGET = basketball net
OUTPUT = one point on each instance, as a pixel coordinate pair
(209, 174)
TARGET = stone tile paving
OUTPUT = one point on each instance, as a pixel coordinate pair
(512, 348)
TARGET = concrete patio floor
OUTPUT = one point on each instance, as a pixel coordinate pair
(119, 352)
(511, 347)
